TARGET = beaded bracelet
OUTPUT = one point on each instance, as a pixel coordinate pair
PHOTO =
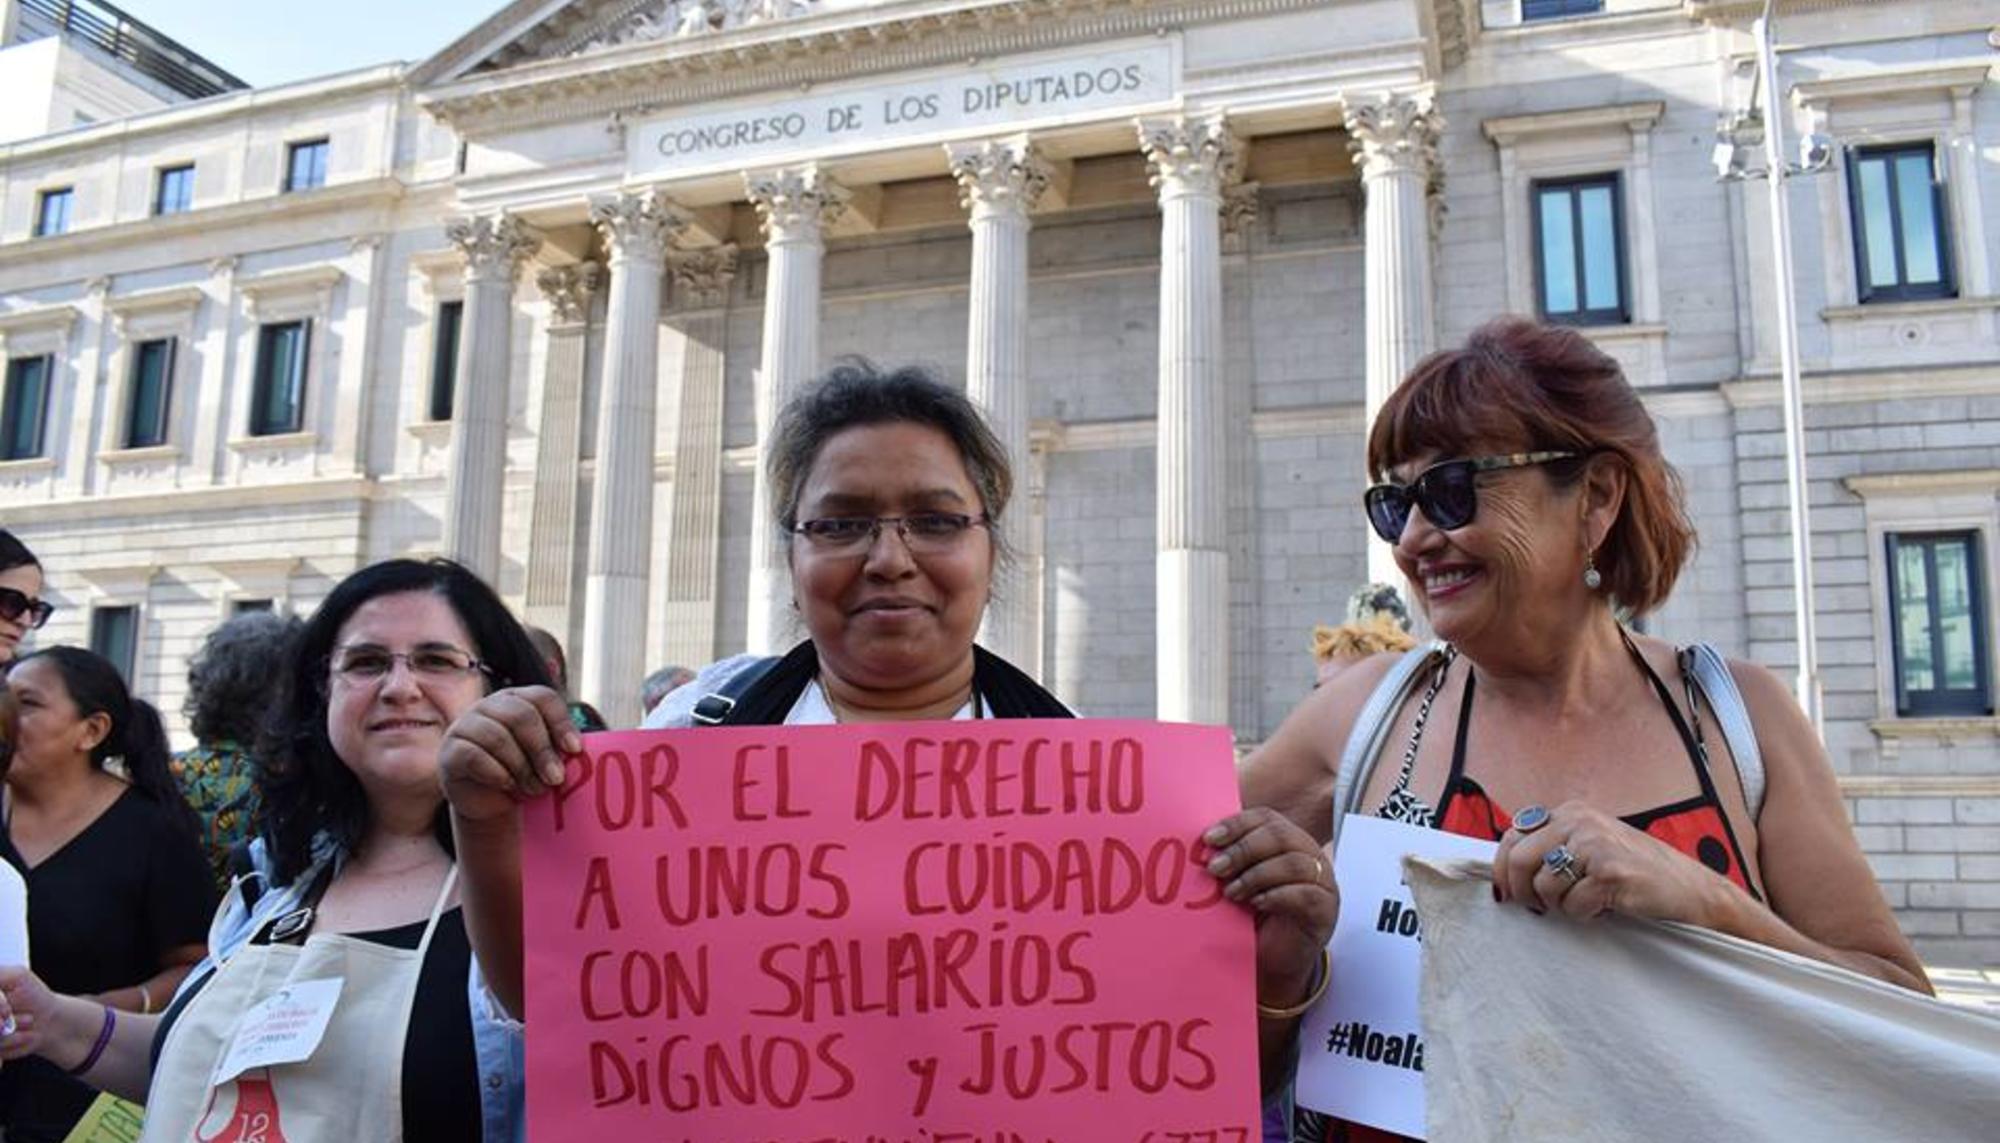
(1312, 998)
(103, 1038)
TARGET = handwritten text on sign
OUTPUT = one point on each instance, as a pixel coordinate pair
(947, 931)
(1006, 95)
(1361, 1049)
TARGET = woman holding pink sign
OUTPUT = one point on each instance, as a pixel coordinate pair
(1522, 484)
(888, 489)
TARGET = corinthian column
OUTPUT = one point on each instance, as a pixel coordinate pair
(1192, 161)
(636, 228)
(1395, 137)
(493, 246)
(701, 289)
(794, 204)
(552, 522)
(999, 181)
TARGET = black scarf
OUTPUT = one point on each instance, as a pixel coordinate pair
(1007, 691)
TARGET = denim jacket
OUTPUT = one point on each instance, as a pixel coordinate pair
(497, 1040)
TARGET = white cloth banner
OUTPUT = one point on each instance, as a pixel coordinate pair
(1539, 1028)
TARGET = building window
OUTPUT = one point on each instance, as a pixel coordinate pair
(24, 407)
(305, 165)
(1556, 9)
(1901, 249)
(444, 359)
(1937, 619)
(1580, 250)
(151, 390)
(277, 402)
(52, 211)
(114, 634)
(174, 192)
(247, 606)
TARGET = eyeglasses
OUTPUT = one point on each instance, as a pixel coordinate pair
(926, 533)
(1448, 492)
(358, 666)
(14, 604)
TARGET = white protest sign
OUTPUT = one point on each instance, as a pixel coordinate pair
(1361, 1049)
(284, 1029)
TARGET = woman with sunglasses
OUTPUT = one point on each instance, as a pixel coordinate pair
(356, 884)
(118, 895)
(887, 488)
(1522, 485)
(21, 606)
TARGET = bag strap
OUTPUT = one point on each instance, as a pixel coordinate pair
(1371, 728)
(1732, 714)
(713, 708)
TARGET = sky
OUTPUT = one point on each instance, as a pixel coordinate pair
(265, 42)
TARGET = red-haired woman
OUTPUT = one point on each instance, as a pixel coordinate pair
(1522, 484)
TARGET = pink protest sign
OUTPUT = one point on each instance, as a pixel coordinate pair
(972, 932)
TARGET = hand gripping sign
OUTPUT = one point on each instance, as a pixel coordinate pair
(981, 932)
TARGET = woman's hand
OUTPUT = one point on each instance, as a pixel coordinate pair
(1272, 867)
(1612, 868)
(510, 745)
(30, 1020)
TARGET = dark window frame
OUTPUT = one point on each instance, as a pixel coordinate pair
(43, 200)
(125, 658)
(294, 380)
(1533, 11)
(11, 413)
(1941, 702)
(316, 175)
(1621, 253)
(184, 200)
(1903, 291)
(445, 348)
(157, 432)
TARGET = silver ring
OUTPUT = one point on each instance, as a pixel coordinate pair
(1561, 860)
(1531, 818)
(1319, 869)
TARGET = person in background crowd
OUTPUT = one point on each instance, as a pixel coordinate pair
(1523, 487)
(888, 488)
(119, 897)
(662, 683)
(22, 608)
(360, 881)
(232, 681)
(1377, 621)
(582, 715)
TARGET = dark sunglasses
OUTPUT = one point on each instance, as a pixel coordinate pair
(1447, 492)
(14, 604)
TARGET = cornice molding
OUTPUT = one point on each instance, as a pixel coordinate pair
(220, 497)
(1927, 484)
(802, 52)
(311, 279)
(1508, 130)
(151, 301)
(1869, 385)
(43, 319)
(1958, 77)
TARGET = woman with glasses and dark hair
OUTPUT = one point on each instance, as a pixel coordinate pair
(352, 914)
(1521, 482)
(888, 489)
(21, 607)
(118, 896)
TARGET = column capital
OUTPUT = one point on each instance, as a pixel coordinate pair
(638, 224)
(568, 290)
(1190, 155)
(1241, 204)
(795, 203)
(701, 277)
(1394, 132)
(999, 177)
(494, 245)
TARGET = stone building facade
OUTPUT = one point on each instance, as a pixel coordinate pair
(532, 301)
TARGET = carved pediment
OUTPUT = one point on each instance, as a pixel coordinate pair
(532, 32)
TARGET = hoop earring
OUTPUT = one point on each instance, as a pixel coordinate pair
(1592, 578)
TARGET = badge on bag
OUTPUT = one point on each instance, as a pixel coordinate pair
(283, 1029)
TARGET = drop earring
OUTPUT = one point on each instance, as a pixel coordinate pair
(1592, 578)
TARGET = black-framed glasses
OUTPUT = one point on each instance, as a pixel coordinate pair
(926, 533)
(1448, 492)
(363, 664)
(14, 604)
